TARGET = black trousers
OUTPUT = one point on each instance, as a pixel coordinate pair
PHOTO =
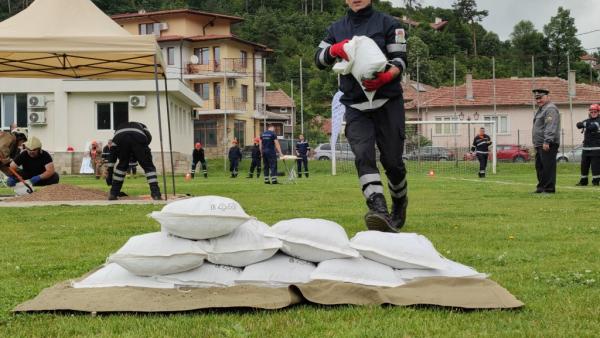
(128, 147)
(233, 166)
(195, 164)
(483, 159)
(302, 160)
(383, 127)
(545, 167)
(270, 166)
(590, 159)
(255, 164)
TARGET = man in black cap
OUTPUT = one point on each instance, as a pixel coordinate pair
(546, 138)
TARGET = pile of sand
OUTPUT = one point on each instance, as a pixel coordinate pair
(61, 192)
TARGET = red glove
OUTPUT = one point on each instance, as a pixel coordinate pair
(379, 80)
(337, 50)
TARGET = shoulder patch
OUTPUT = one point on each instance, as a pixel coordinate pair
(400, 35)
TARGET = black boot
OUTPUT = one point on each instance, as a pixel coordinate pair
(596, 181)
(399, 206)
(250, 175)
(378, 218)
(583, 182)
(115, 190)
(306, 175)
(299, 175)
(155, 192)
(258, 173)
(192, 175)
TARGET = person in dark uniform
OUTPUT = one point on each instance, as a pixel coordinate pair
(302, 149)
(235, 156)
(255, 159)
(546, 139)
(380, 123)
(198, 156)
(37, 164)
(106, 156)
(590, 155)
(131, 139)
(270, 148)
(480, 146)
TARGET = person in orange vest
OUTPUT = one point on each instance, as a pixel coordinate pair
(480, 146)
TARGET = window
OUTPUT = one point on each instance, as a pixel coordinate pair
(202, 54)
(13, 109)
(244, 59)
(147, 28)
(501, 123)
(244, 93)
(205, 132)
(239, 130)
(111, 114)
(202, 89)
(170, 56)
(283, 110)
(446, 129)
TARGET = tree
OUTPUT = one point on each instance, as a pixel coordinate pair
(412, 4)
(467, 11)
(560, 32)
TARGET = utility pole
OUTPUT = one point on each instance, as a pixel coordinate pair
(293, 111)
(571, 94)
(301, 101)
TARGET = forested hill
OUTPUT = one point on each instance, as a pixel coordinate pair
(293, 29)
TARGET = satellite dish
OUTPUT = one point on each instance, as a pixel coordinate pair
(194, 59)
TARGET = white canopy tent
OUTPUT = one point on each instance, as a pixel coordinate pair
(75, 39)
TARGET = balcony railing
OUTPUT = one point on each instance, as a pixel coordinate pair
(227, 65)
(231, 103)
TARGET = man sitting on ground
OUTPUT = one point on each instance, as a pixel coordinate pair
(37, 165)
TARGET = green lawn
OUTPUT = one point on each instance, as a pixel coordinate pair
(543, 249)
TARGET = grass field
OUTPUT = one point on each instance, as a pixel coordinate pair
(543, 249)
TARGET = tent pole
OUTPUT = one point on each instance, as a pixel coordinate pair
(169, 129)
(160, 136)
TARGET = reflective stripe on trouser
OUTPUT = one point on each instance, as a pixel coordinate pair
(483, 159)
(141, 152)
(233, 166)
(385, 127)
(398, 190)
(270, 166)
(302, 160)
(588, 161)
(119, 175)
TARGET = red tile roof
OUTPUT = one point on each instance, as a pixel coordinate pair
(509, 92)
(587, 57)
(211, 37)
(410, 90)
(439, 25)
(173, 12)
(278, 98)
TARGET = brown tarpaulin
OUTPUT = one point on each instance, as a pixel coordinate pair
(467, 293)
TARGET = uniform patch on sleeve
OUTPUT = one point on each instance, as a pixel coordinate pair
(548, 119)
(400, 35)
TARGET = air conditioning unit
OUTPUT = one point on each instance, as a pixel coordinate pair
(137, 101)
(36, 117)
(163, 26)
(36, 101)
(231, 83)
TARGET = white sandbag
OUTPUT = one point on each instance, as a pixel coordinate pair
(207, 275)
(278, 271)
(453, 269)
(201, 217)
(158, 254)
(358, 271)
(314, 240)
(364, 60)
(244, 246)
(113, 275)
(400, 251)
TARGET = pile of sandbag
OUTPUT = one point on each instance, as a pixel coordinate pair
(211, 242)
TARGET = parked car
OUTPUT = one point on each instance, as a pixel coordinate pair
(430, 153)
(573, 155)
(287, 147)
(342, 152)
(505, 152)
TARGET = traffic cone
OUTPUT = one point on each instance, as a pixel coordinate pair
(188, 176)
(431, 173)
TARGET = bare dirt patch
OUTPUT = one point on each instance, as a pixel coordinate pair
(62, 192)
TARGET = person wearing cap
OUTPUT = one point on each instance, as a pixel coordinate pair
(380, 122)
(198, 156)
(10, 146)
(270, 148)
(256, 158)
(235, 156)
(480, 146)
(37, 164)
(302, 149)
(590, 155)
(546, 139)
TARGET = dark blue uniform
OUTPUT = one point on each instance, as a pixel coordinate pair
(269, 154)
(481, 146)
(198, 156)
(380, 123)
(235, 156)
(256, 157)
(590, 154)
(302, 149)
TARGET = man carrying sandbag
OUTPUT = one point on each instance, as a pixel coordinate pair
(378, 122)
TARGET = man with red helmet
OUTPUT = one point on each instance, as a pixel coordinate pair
(591, 147)
(198, 156)
(256, 158)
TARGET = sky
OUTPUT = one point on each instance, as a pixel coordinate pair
(504, 14)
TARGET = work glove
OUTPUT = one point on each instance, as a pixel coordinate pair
(35, 179)
(379, 80)
(11, 181)
(337, 50)
(109, 177)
